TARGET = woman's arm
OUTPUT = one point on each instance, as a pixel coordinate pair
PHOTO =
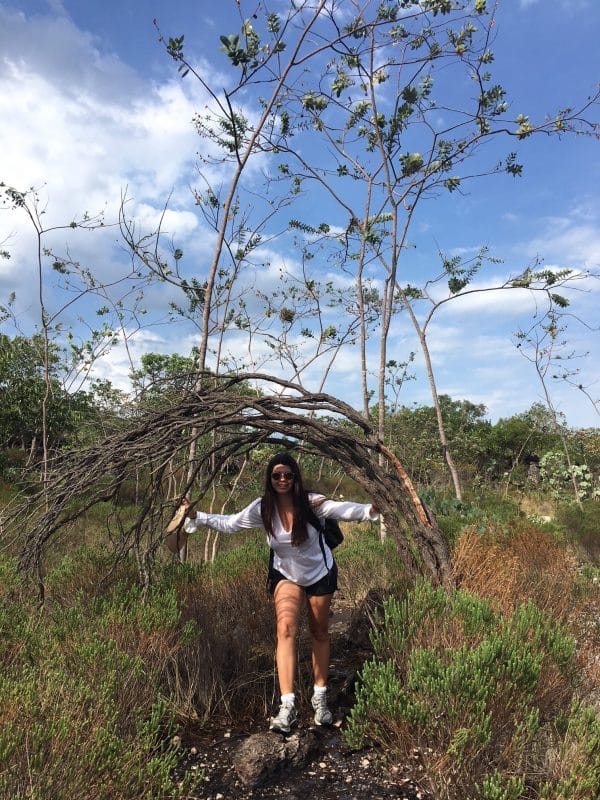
(249, 517)
(344, 510)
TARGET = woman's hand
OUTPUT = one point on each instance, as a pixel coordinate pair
(186, 508)
(176, 537)
(184, 511)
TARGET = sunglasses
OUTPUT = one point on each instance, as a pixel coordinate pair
(282, 476)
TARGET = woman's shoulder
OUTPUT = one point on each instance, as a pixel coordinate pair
(315, 498)
(253, 511)
(252, 507)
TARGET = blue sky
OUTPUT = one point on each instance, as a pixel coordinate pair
(92, 106)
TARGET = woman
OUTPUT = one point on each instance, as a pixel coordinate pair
(302, 569)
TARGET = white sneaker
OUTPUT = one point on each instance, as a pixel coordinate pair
(285, 719)
(322, 713)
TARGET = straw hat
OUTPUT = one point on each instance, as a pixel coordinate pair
(178, 518)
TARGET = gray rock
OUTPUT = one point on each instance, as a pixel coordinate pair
(263, 756)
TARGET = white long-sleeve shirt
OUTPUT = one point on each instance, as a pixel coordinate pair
(303, 564)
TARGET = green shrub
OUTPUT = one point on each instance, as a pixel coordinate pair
(12, 463)
(364, 562)
(582, 527)
(475, 690)
(253, 552)
(84, 702)
(453, 515)
(557, 477)
(575, 759)
(590, 572)
(86, 572)
(501, 787)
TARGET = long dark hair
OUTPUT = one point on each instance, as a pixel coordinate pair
(302, 509)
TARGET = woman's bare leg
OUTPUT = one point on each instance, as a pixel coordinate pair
(289, 599)
(318, 623)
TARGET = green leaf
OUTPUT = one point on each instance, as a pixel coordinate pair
(273, 23)
(560, 300)
(409, 94)
(411, 163)
(456, 284)
(452, 183)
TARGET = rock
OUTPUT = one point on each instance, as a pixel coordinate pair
(533, 474)
(263, 756)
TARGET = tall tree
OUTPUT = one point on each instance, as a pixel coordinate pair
(354, 105)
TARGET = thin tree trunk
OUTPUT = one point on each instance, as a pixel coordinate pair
(440, 419)
(212, 273)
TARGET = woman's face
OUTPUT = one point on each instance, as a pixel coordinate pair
(282, 479)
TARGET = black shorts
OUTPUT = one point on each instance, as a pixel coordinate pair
(325, 585)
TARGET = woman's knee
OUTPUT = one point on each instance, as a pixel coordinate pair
(288, 604)
(286, 630)
(319, 631)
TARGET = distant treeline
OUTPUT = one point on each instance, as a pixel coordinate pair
(43, 409)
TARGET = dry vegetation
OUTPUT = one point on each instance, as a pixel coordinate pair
(94, 686)
(510, 568)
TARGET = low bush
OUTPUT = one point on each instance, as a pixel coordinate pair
(582, 527)
(94, 686)
(82, 698)
(483, 509)
(84, 573)
(227, 659)
(364, 562)
(511, 565)
(486, 698)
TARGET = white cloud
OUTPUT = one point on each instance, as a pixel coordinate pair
(487, 301)
(86, 148)
(172, 223)
(567, 5)
(83, 128)
(576, 246)
(123, 357)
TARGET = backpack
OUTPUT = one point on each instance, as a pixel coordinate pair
(331, 532)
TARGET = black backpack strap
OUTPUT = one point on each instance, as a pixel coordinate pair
(269, 571)
(323, 549)
(318, 525)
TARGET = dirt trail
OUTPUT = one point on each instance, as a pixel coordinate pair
(333, 772)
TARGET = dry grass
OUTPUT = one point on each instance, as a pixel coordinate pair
(510, 569)
(538, 506)
(226, 659)
(366, 563)
(532, 566)
(475, 690)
